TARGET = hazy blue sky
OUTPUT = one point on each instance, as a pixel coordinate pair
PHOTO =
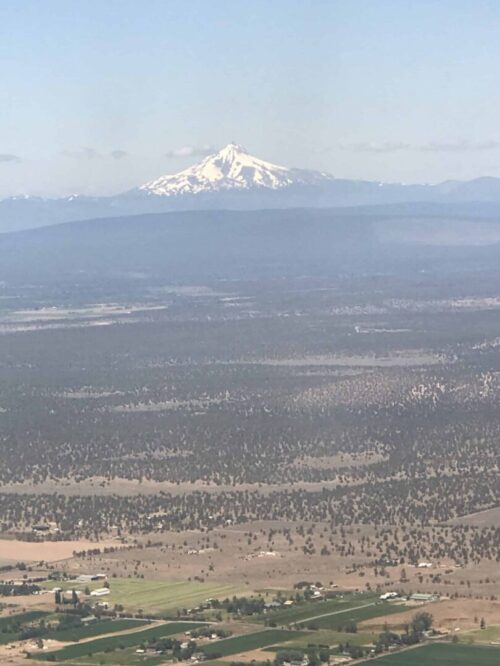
(98, 96)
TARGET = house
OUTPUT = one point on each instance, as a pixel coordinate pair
(40, 528)
(100, 592)
(272, 604)
(88, 578)
(388, 595)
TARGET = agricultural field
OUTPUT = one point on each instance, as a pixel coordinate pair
(333, 613)
(488, 635)
(155, 596)
(12, 625)
(20, 618)
(443, 655)
(121, 641)
(98, 628)
(247, 642)
(325, 637)
(164, 597)
(127, 657)
(356, 614)
(302, 613)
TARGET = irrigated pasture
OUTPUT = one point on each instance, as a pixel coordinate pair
(96, 629)
(128, 657)
(303, 613)
(160, 596)
(248, 642)
(11, 625)
(487, 635)
(20, 618)
(357, 614)
(443, 655)
(157, 596)
(121, 641)
(333, 613)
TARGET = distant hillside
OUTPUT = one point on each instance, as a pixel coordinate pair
(194, 246)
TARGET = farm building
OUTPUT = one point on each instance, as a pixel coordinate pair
(388, 596)
(88, 578)
(418, 596)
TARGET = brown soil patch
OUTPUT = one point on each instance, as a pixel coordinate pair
(450, 614)
(480, 519)
(252, 655)
(13, 550)
(128, 487)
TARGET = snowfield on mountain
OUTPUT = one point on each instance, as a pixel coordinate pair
(232, 168)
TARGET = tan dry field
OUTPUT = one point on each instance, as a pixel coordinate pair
(127, 487)
(480, 519)
(228, 557)
(449, 614)
(248, 657)
(13, 550)
(186, 555)
(341, 460)
(15, 657)
(225, 556)
(235, 561)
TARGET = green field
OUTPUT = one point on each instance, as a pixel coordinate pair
(127, 657)
(358, 614)
(95, 629)
(306, 611)
(22, 618)
(302, 640)
(162, 596)
(333, 613)
(444, 654)
(488, 635)
(156, 596)
(122, 641)
(248, 642)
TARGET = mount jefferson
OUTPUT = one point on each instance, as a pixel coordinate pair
(233, 179)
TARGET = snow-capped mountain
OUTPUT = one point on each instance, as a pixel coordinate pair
(232, 179)
(232, 168)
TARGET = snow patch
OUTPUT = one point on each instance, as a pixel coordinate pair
(232, 168)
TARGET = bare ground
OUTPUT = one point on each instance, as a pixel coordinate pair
(13, 550)
(449, 614)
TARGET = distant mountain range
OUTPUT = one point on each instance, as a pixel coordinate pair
(234, 179)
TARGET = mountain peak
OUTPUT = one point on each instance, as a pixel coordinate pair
(231, 168)
(232, 149)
